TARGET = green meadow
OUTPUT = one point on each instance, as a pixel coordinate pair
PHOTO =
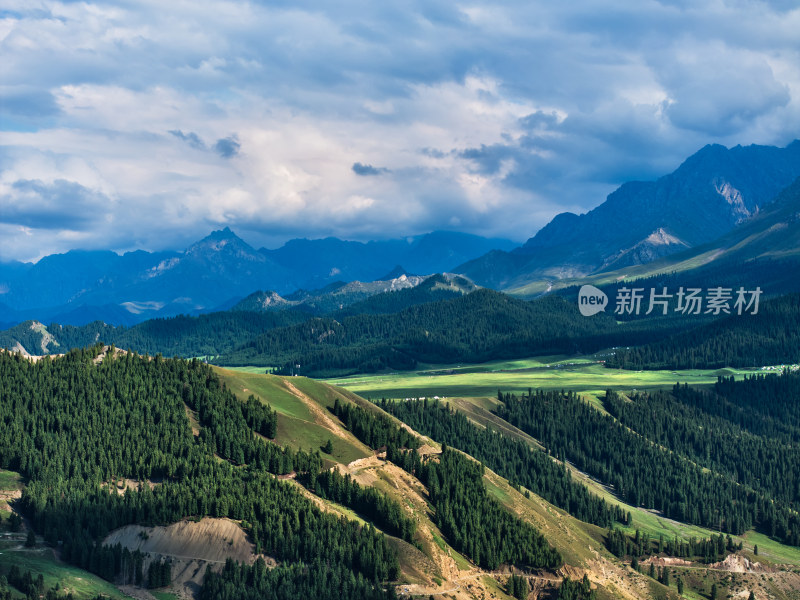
(582, 374)
(81, 584)
(298, 427)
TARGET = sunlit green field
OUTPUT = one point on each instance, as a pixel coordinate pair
(297, 426)
(584, 374)
(81, 584)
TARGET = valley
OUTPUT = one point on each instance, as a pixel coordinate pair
(585, 374)
(384, 420)
(399, 300)
(306, 421)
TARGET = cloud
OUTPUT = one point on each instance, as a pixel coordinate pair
(725, 91)
(190, 138)
(227, 147)
(34, 204)
(116, 118)
(362, 169)
(25, 108)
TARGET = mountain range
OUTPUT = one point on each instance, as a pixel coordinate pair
(763, 251)
(213, 274)
(710, 194)
(715, 194)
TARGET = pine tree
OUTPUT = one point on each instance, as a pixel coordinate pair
(14, 522)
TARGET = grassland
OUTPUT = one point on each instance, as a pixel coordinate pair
(301, 423)
(583, 374)
(163, 595)
(81, 584)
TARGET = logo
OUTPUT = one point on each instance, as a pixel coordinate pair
(591, 300)
(688, 301)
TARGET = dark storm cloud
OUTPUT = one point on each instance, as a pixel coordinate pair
(366, 170)
(57, 205)
(227, 147)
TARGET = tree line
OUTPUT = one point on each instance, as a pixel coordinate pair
(771, 337)
(474, 523)
(375, 430)
(641, 544)
(676, 421)
(73, 427)
(510, 458)
(480, 326)
(643, 473)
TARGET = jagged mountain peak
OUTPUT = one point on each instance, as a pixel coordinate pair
(398, 271)
(261, 301)
(223, 240)
(709, 194)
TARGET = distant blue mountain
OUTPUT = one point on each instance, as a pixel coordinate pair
(316, 263)
(82, 286)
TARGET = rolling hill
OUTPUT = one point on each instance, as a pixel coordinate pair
(186, 534)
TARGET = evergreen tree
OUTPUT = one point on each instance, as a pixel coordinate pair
(75, 425)
(14, 522)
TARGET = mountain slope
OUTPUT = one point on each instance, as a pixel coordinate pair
(318, 262)
(708, 195)
(381, 296)
(476, 327)
(763, 251)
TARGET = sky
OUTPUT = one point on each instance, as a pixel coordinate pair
(148, 124)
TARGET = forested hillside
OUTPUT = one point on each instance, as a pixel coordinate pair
(76, 425)
(475, 523)
(480, 326)
(771, 337)
(73, 426)
(510, 458)
(664, 475)
(682, 422)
